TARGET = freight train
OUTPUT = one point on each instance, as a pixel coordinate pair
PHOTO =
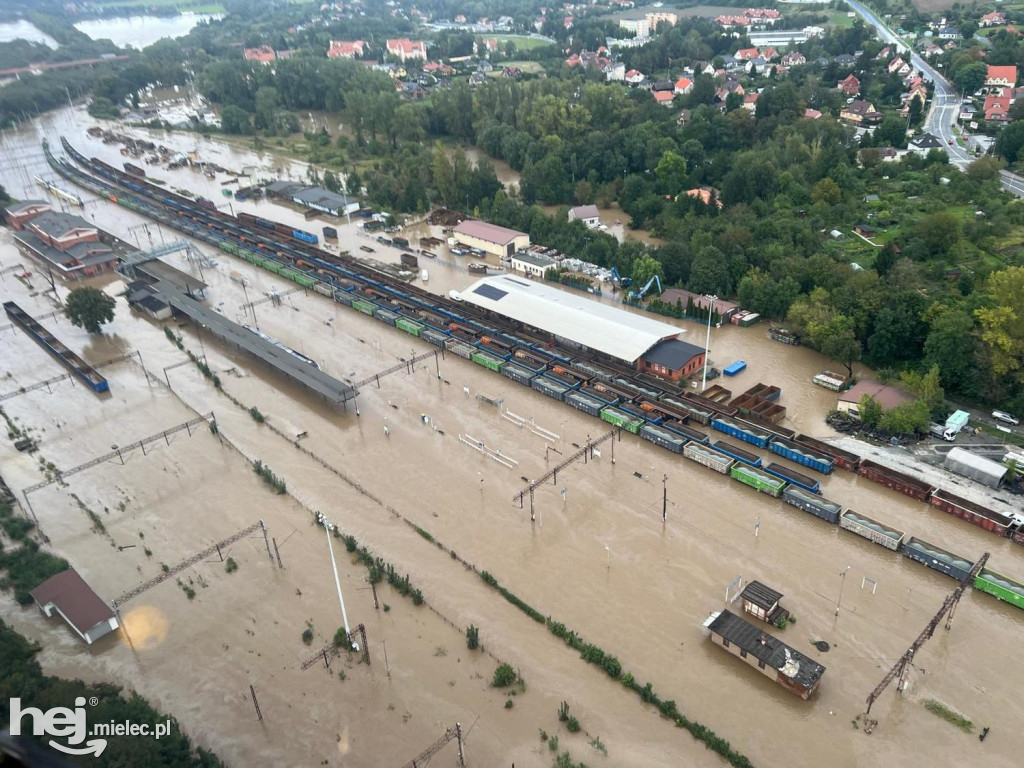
(609, 391)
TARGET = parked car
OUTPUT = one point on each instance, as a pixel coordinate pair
(1006, 418)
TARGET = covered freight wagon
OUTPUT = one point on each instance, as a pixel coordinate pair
(759, 481)
(871, 529)
(662, 437)
(709, 458)
(1003, 587)
(802, 455)
(937, 558)
(684, 430)
(808, 502)
(519, 373)
(620, 419)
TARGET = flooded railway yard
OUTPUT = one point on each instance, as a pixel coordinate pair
(598, 558)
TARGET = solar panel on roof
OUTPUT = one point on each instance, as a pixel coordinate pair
(490, 292)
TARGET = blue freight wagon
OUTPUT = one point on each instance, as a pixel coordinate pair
(691, 434)
(305, 237)
(802, 455)
(745, 433)
(937, 558)
(584, 403)
(518, 373)
(748, 458)
(816, 505)
(793, 477)
(662, 437)
(548, 387)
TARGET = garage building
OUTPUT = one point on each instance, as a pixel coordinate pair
(491, 238)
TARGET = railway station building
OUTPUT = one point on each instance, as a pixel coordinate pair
(66, 245)
(643, 343)
(499, 241)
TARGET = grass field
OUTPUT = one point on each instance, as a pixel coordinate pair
(523, 43)
(528, 67)
(839, 19)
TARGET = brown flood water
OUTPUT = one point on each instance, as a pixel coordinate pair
(599, 559)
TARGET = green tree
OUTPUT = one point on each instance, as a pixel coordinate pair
(234, 119)
(89, 308)
(1002, 323)
(950, 346)
(906, 418)
(102, 107)
(985, 169)
(268, 101)
(827, 191)
(837, 340)
(892, 132)
(645, 268)
(331, 182)
(870, 411)
(4, 197)
(927, 388)
(709, 273)
(1010, 141)
(671, 173)
(970, 78)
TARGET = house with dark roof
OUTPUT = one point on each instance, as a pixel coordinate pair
(924, 143)
(860, 112)
(786, 666)
(763, 602)
(68, 595)
(672, 359)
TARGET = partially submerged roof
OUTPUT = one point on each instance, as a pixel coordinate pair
(24, 205)
(673, 353)
(75, 600)
(763, 597)
(600, 327)
(492, 233)
(764, 647)
(887, 397)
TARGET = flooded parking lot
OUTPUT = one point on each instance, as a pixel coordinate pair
(598, 558)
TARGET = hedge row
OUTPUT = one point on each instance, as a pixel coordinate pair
(613, 668)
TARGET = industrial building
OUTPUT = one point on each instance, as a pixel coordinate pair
(532, 264)
(491, 238)
(648, 345)
(786, 666)
(82, 609)
(318, 198)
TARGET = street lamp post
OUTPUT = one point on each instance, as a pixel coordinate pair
(707, 344)
(842, 575)
(328, 527)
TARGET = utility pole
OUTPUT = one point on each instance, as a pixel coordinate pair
(328, 527)
(664, 498)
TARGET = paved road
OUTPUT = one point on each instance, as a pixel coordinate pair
(945, 101)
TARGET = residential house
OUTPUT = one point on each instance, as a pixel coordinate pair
(588, 214)
(924, 143)
(812, 114)
(845, 60)
(997, 107)
(763, 602)
(1005, 77)
(664, 97)
(932, 50)
(683, 86)
(919, 94)
(994, 19)
(478, 78)
(615, 71)
(746, 54)
(705, 195)
(768, 54)
(898, 67)
(750, 101)
(884, 54)
(859, 112)
(405, 49)
(346, 49)
(850, 85)
(512, 72)
(684, 116)
(949, 33)
(67, 595)
(793, 59)
(756, 66)
(264, 54)
(634, 77)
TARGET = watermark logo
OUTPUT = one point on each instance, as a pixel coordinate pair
(71, 727)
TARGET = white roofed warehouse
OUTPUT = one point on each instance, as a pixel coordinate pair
(648, 345)
(499, 241)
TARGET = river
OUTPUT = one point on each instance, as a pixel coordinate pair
(24, 30)
(141, 31)
(599, 557)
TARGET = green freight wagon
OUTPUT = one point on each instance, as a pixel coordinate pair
(1000, 586)
(759, 481)
(620, 419)
(364, 306)
(410, 327)
(487, 361)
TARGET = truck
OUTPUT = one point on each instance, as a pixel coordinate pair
(957, 421)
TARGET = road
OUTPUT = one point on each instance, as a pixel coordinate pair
(945, 104)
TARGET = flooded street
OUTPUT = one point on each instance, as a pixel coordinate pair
(599, 558)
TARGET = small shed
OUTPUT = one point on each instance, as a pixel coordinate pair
(864, 230)
(984, 471)
(763, 602)
(83, 610)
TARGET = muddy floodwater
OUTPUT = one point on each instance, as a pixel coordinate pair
(598, 557)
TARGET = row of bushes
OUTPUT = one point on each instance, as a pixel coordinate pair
(613, 668)
(204, 369)
(379, 569)
(530, 611)
(269, 477)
